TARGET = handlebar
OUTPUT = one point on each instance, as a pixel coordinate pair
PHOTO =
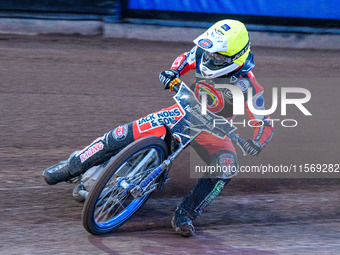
(174, 85)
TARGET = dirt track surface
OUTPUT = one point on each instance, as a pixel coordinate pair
(58, 93)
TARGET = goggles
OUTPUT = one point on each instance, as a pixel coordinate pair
(219, 60)
(216, 59)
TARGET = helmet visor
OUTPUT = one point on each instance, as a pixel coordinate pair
(216, 59)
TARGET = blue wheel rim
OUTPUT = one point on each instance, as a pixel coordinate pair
(134, 205)
(123, 215)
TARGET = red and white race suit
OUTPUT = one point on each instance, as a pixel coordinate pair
(219, 102)
(213, 150)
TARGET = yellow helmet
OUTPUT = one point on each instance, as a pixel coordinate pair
(226, 47)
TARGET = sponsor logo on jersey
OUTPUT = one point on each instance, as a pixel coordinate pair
(177, 62)
(96, 140)
(215, 100)
(120, 133)
(211, 196)
(260, 101)
(154, 120)
(226, 160)
(233, 79)
(91, 151)
(243, 85)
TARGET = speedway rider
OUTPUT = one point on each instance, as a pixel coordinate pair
(221, 56)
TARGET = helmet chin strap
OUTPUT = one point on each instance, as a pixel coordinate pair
(211, 75)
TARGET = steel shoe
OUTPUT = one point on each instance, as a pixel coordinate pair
(57, 173)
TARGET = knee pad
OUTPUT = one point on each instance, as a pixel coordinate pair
(225, 164)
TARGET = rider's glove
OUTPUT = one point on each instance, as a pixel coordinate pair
(166, 77)
(252, 147)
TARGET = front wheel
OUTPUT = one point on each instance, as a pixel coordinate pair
(109, 204)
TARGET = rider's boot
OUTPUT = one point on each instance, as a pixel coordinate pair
(182, 224)
(193, 204)
(60, 172)
(57, 173)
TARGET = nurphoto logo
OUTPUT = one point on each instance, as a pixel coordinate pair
(238, 104)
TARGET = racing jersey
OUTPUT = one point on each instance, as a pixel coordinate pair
(220, 100)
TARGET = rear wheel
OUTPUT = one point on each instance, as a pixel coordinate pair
(110, 204)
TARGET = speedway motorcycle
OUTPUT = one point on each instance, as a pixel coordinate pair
(115, 190)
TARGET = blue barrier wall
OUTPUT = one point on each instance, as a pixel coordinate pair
(291, 13)
(321, 9)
